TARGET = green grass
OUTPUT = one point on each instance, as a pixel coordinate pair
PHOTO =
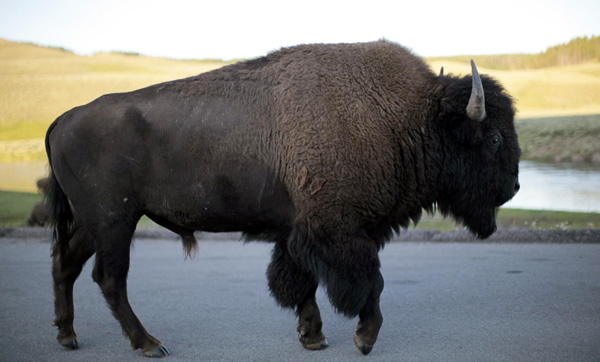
(16, 206)
(526, 219)
(534, 219)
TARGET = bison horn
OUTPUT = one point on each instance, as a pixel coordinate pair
(476, 106)
(442, 72)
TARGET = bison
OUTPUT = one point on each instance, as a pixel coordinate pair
(40, 212)
(325, 150)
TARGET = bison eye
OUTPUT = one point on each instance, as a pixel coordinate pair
(495, 141)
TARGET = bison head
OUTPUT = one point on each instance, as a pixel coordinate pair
(480, 151)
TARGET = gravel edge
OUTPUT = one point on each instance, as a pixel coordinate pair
(579, 236)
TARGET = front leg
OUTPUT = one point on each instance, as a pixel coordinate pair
(294, 287)
(370, 319)
(310, 324)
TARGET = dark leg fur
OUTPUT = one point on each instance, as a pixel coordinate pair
(110, 272)
(370, 319)
(348, 265)
(310, 324)
(65, 270)
(293, 287)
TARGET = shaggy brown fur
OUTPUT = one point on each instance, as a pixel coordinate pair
(323, 149)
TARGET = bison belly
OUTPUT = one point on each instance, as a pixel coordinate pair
(226, 197)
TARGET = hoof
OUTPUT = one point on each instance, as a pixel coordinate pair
(69, 342)
(158, 352)
(315, 343)
(315, 346)
(364, 348)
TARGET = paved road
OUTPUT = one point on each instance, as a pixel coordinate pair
(442, 302)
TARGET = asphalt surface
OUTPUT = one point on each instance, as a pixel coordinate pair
(442, 302)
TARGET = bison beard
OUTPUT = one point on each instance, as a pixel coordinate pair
(324, 150)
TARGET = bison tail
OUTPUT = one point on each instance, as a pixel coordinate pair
(61, 214)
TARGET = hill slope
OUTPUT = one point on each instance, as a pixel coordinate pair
(554, 91)
(38, 84)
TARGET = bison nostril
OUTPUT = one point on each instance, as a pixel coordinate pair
(517, 187)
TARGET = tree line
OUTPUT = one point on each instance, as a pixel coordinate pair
(577, 51)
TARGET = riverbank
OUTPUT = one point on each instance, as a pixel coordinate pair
(560, 139)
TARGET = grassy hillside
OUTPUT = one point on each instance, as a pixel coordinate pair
(555, 91)
(38, 84)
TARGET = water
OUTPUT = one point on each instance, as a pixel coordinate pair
(543, 186)
(557, 187)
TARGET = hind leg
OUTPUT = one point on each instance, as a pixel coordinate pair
(110, 273)
(65, 270)
(293, 287)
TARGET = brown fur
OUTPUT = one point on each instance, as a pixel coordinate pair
(323, 149)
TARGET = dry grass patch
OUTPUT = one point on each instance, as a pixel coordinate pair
(38, 84)
(556, 91)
